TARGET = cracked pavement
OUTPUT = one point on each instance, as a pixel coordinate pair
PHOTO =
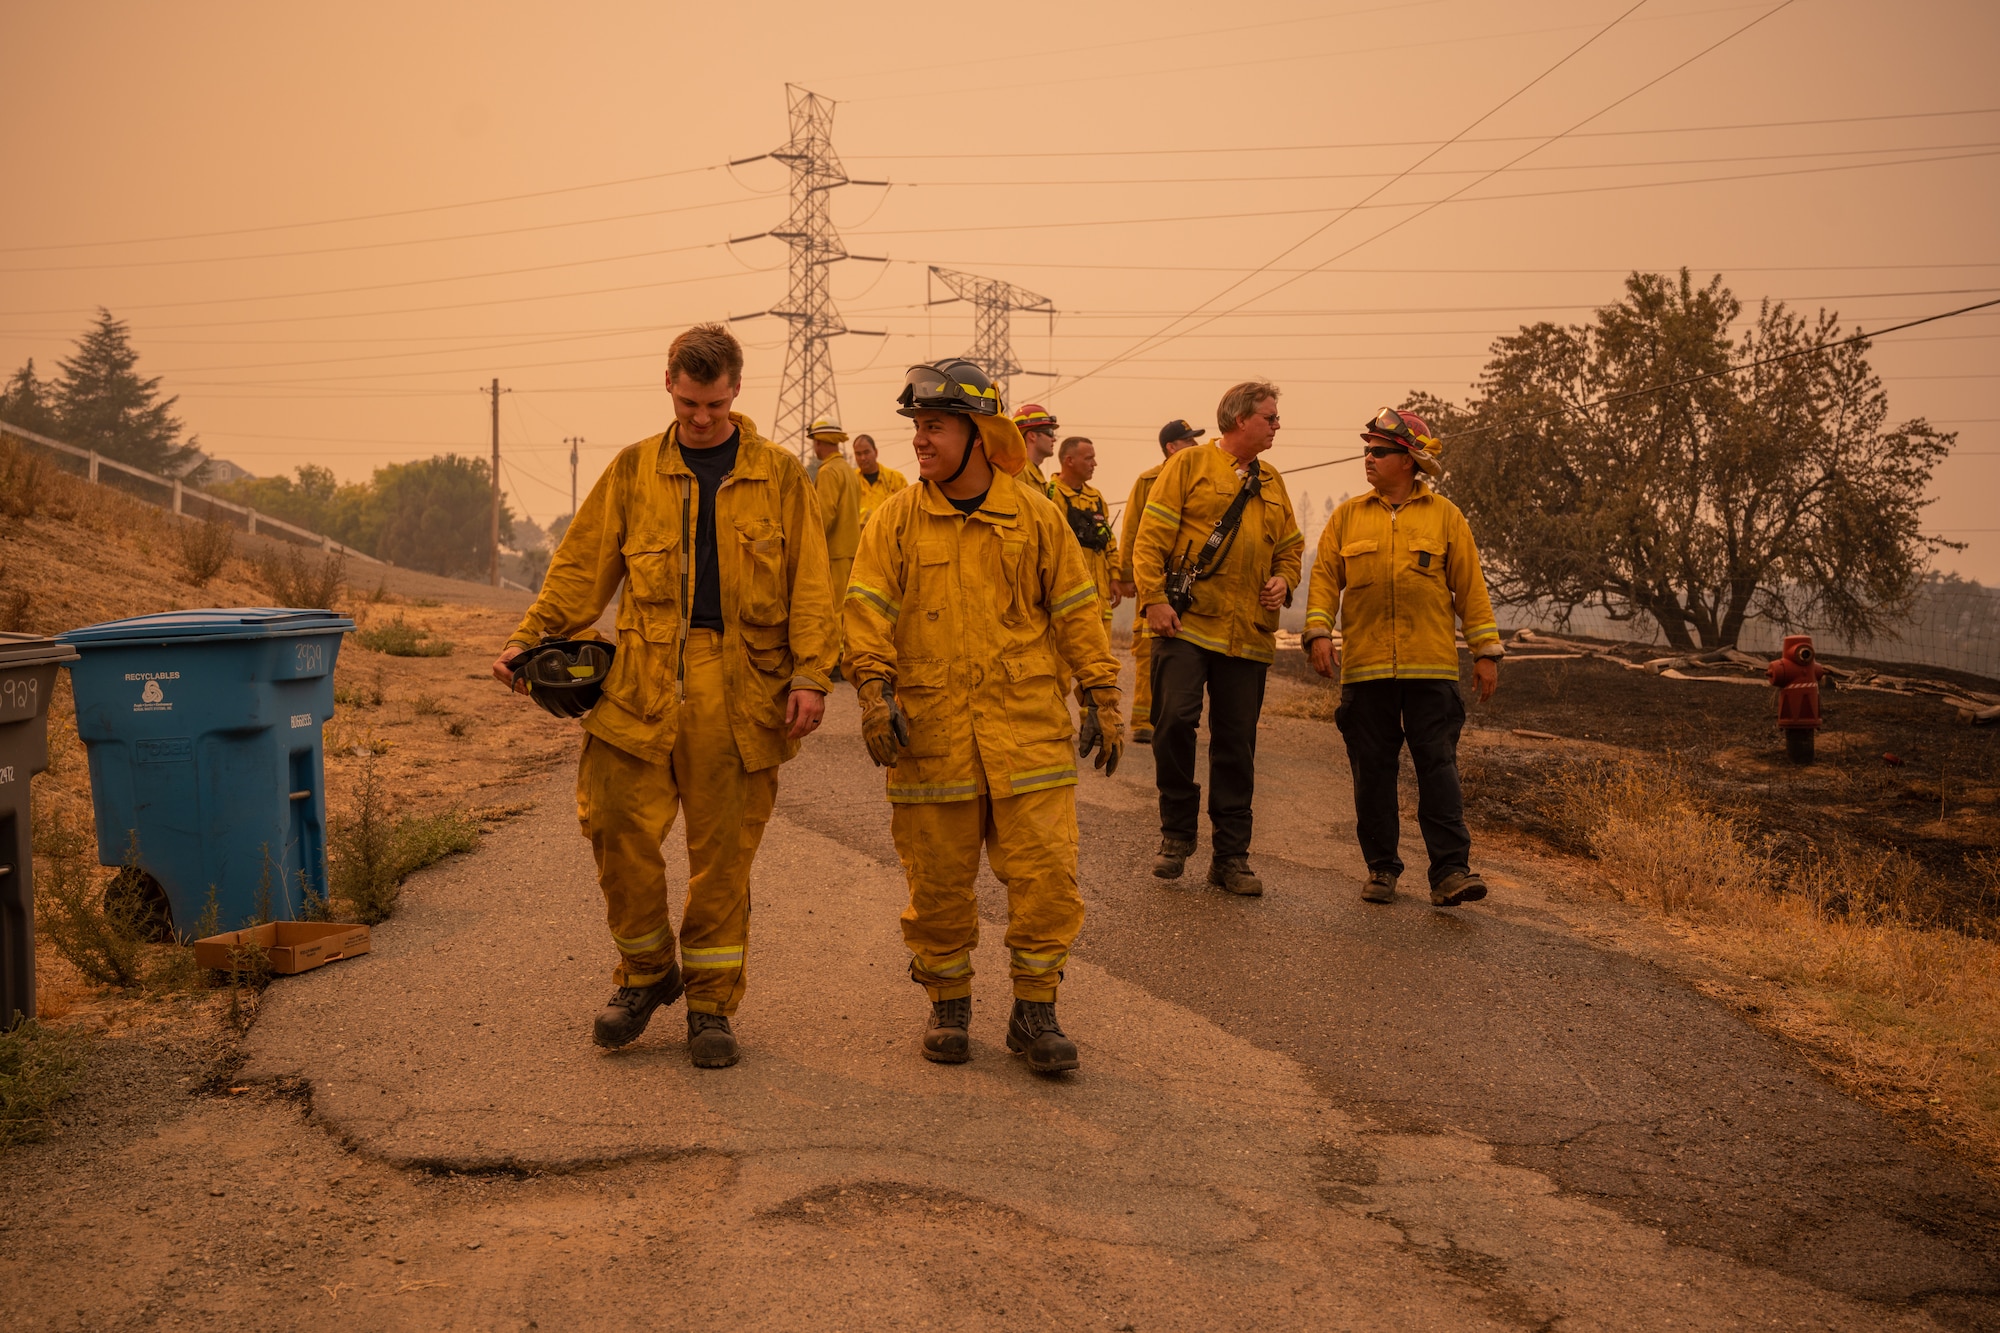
(1293, 1112)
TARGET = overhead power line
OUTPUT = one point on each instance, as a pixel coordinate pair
(1168, 333)
(364, 217)
(1237, 150)
(1860, 335)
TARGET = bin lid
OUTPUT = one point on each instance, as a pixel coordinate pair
(28, 650)
(226, 622)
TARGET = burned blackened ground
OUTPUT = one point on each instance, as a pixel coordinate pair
(1892, 771)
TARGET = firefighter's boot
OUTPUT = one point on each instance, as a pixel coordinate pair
(626, 1014)
(1380, 888)
(711, 1043)
(1032, 1031)
(1234, 874)
(1460, 886)
(1172, 859)
(947, 1040)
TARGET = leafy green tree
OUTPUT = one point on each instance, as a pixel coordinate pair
(1773, 491)
(27, 401)
(433, 515)
(103, 403)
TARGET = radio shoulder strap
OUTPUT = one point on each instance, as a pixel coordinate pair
(1225, 527)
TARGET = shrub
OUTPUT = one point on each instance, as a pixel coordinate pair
(205, 549)
(399, 639)
(24, 480)
(102, 935)
(371, 853)
(292, 579)
(39, 1066)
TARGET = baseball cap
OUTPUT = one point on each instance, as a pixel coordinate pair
(1177, 430)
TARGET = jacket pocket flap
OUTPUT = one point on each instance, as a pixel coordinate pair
(1027, 668)
(929, 673)
(650, 541)
(933, 553)
(1432, 544)
(765, 636)
(1363, 547)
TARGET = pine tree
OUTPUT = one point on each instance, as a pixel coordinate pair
(27, 401)
(102, 403)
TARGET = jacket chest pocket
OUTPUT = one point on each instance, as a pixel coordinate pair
(653, 573)
(761, 596)
(1020, 581)
(1426, 557)
(925, 625)
(1362, 560)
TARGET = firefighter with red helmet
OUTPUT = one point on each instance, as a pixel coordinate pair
(1038, 427)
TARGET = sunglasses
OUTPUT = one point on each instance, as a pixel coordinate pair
(1384, 450)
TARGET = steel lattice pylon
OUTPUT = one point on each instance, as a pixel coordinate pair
(994, 303)
(807, 390)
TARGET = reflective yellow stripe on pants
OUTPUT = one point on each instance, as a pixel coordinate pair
(1030, 842)
(627, 804)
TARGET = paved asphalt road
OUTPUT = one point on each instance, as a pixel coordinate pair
(1293, 1112)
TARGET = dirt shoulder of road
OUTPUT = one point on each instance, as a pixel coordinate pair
(1897, 1009)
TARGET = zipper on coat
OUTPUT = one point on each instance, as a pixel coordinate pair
(687, 574)
(1395, 662)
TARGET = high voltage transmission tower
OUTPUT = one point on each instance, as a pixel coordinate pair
(994, 303)
(807, 390)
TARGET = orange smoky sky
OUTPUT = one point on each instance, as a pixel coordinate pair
(329, 227)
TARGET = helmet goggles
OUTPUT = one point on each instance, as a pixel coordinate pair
(944, 389)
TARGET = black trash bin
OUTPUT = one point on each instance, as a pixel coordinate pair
(27, 675)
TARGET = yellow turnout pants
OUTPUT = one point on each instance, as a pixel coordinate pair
(837, 574)
(1030, 842)
(627, 804)
(1142, 674)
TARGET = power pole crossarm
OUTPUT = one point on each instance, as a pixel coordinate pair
(994, 303)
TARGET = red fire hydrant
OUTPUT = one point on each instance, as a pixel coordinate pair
(1797, 675)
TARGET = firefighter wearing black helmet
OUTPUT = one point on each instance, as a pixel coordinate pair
(969, 596)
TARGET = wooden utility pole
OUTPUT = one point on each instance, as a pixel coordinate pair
(573, 442)
(493, 569)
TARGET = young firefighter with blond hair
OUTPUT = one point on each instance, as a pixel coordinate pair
(725, 642)
(1175, 436)
(968, 594)
(1397, 565)
(1217, 560)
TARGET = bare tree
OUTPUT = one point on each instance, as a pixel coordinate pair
(1772, 492)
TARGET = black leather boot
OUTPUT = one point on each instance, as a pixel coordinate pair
(1032, 1031)
(947, 1040)
(626, 1014)
(711, 1041)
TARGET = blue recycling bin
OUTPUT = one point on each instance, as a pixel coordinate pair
(207, 767)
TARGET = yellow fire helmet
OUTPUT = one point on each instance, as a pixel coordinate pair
(826, 428)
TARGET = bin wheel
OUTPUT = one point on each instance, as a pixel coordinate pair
(137, 896)
(1799, 744)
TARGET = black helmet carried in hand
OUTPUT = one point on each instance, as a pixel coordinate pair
(565, 676)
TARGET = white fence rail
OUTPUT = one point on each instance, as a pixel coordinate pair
(172, 494)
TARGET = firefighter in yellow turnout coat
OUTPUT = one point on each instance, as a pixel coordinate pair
(725, 645)
(967, 595)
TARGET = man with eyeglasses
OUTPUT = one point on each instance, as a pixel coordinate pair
(1216, 560)
(1397, 566)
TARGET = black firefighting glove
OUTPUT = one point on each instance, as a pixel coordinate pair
(883, 725)
(1103, 729)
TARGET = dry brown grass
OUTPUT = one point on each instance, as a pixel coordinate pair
(1906, 1009)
